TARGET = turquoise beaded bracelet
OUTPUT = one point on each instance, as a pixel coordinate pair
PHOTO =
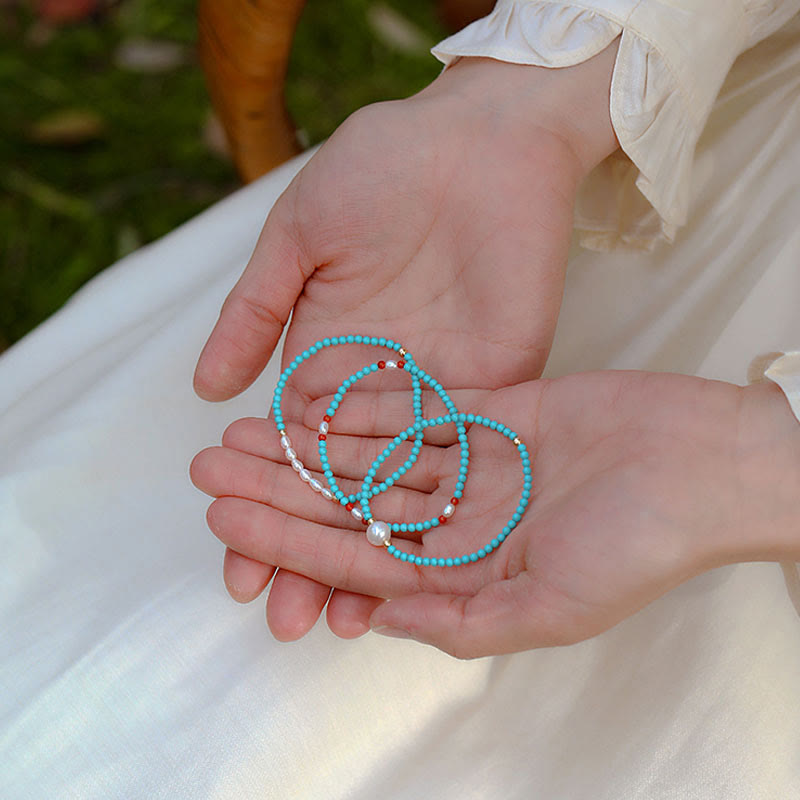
(379, 532)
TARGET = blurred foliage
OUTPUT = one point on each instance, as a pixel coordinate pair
(96, 160)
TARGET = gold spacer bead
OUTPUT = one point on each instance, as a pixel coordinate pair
(282, 432)
(370, 521)
(517, 441)
(402, 351)
(387, 542)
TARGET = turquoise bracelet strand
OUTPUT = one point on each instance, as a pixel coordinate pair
(379, 532)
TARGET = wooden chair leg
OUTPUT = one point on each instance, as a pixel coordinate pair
(244, 48)
(457, 14)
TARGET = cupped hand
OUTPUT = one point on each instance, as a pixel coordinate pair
(441, 221)
(640, 482)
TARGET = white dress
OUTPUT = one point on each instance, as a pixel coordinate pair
(127, 672)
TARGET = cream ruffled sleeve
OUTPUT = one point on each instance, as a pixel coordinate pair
(673, 57)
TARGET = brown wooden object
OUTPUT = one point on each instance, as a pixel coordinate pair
(244, 48)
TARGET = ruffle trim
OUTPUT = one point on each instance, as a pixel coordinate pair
(636, 201)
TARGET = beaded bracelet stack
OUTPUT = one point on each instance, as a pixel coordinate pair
(379, 532)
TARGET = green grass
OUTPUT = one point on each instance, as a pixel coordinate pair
(67, 212)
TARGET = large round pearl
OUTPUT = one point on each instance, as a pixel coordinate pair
(379, 533)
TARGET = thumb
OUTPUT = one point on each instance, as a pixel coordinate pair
(502, 617)
(253, 315)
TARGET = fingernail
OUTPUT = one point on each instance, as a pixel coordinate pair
(395, 633)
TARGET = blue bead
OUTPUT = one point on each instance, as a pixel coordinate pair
(351, 339)
(434, 522)
(473, 557)
(448, 562)
(457, 561)
(358, 338)
(482, 553)
(404, 556)
(426, 562)
(427, 525)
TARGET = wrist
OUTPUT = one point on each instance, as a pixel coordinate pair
(769, 465)
(568, 105)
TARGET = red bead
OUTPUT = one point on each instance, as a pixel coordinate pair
(454, 501)
(322, 437)
(365, 522)
(326, 418)
(442, 519)
(349, 506)
(381, 365)
(401, 364)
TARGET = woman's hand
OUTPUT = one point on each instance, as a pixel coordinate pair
(441, 221)
(640, 482)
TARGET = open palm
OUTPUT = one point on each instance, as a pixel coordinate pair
(637, 487)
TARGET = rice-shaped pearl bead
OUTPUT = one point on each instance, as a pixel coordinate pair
(305, 475)
(327, 493)
(391, 365)
(379, 533)
(324, 427)
(297, 464)
(291, 454)
(286, 442)
(448, 510)
(356, 512)
(315, 485)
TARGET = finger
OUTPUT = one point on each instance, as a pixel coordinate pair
(294, 605)
(244, 578)
(342, 559)
(223, 472)
(348, 613)
(255, 312)
(503, 617)
(350, 456)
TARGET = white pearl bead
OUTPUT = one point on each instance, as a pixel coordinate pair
(448, 510)
(323, 427)
(305, 475)
(286, 442)
(297, 464)
(378, 533)
(356, 512)
(315, 485)
(291, 455)
(327, 493)
(391, 365)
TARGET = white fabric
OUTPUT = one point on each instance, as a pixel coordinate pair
(672, 59)
(126, 672)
